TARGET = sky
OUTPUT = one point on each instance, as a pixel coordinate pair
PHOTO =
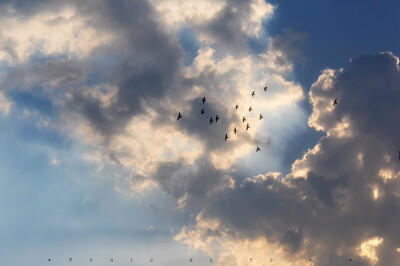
(95, 165)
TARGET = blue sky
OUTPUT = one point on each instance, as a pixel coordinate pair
(94, 163)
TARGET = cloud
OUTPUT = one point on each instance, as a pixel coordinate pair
(289, 42)
(118, 96)
(226, 24)
(335, 203)
(51, 32)
(5, 104)
(131, 113)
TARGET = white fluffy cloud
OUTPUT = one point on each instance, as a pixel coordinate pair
(60, 32)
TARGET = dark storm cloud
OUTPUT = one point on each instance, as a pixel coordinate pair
(63, 72)
(375, 102)
(58, 72)
(198, 125)
(8, 46)
(196, 182)
(333, 205)
(150, 67)
(226, 26)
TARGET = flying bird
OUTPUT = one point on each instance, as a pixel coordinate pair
(235, 131)
(211, 120)
(237, 106)
(226, 137)
(253, 93)
(179, 116)
(247, 127)
(265, 88)
(258, 149)
(250, 109)
(335, 102)
(244, 119)
(204, 99)
(399, 155)
(202, 111)
(216, 118)
(261, 117)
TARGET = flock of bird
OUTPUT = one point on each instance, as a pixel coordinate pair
(335, 102)
(236, 107)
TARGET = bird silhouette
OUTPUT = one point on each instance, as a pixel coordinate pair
(216, 118)
(335, 102)
(235, 131)
(247, 127)
(237, 106)
(179, 116)
(399, 155)
(258, 149)
(204, 99)
(244, 119)
(250, 109)
(265, 88)
(202, 111)
(261, 117)
(226, 137)
(211, 120)
(253, 93)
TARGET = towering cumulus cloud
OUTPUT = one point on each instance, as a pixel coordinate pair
(341, 200)
(113, 76)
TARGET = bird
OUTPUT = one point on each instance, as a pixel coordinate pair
(211, 120)
(202, 111)
(250, 109)
(235, 130)
(237, 106)
(253, 93)
(335, 102)
(261, 117)
(258, 149)
(179, 116)
(216, 118)
(265, 88)
(226, 137)
(399, 155)
(247, 127)
(244, 119)
(204, 99)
